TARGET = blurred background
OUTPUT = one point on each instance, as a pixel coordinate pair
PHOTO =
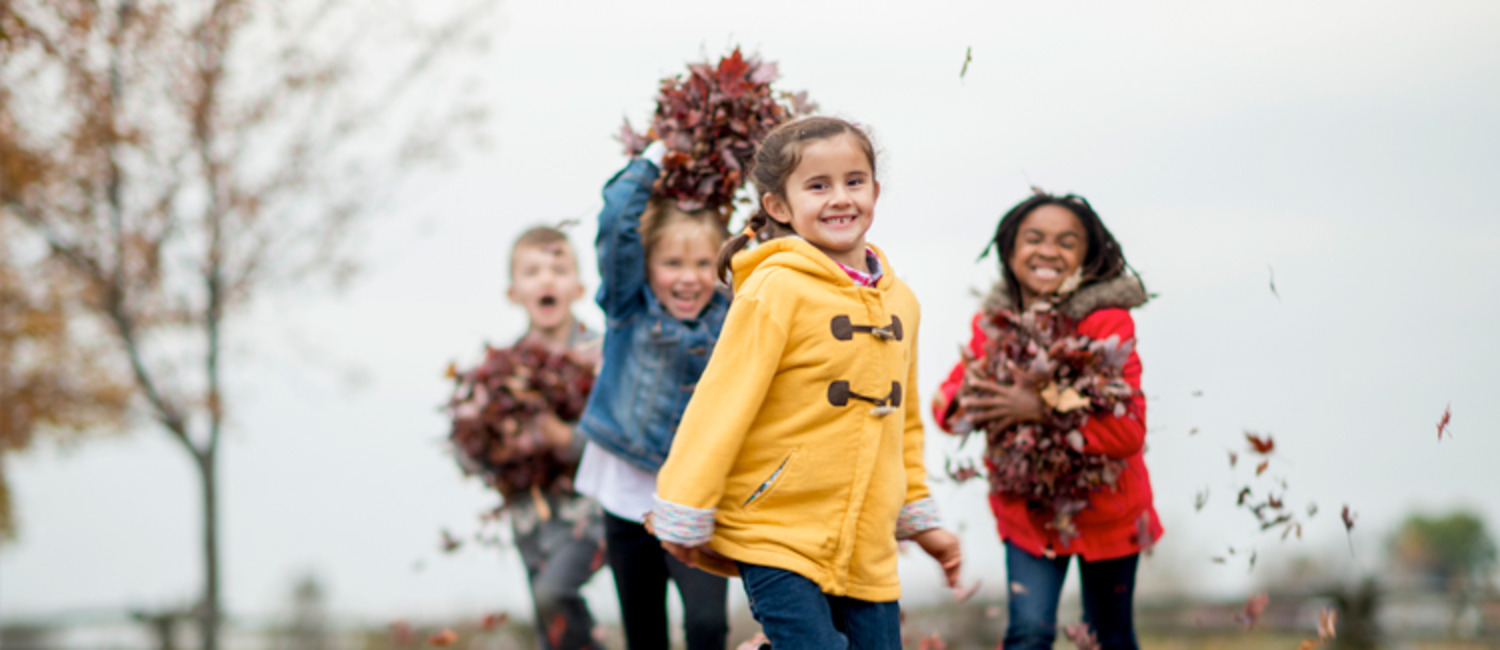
(242, 241)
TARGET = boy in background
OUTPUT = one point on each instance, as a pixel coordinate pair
(559, 533)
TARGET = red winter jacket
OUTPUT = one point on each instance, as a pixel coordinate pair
(1110, 526)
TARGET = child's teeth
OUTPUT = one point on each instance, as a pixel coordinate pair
(1046, 273)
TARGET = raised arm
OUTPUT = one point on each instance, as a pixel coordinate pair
(622, 255)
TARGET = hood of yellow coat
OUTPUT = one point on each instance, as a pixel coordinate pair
(796, 254)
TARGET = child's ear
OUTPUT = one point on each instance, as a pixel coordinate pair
(877, 190)
(510, 294)
(777, 208)
(578, 292)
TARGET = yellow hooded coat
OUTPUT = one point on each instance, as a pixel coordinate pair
(802, 445)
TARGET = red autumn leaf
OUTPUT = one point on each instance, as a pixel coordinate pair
(1254, 607)
(1274, 501)
(492, 621)
(556, 629)
(495, 409)
(1244, 495)
(1082, 636)
(444, 638)
(1442, 425)
(1233, 458)
(1261, 468)
(1262, 446)
(450, 543)
(934, 642)
(712, 119)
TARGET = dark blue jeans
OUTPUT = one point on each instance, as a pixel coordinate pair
(796, 615)
(1036, 586)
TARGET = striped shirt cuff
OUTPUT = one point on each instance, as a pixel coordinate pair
(681, 524)
(916, 517)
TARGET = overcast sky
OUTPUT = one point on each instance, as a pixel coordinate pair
(1350, 146)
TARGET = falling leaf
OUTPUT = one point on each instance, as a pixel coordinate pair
(1442, 425)
(1253, 555)
(1273, 282)
(1274, 501)
(962, 593)
(1261, 468)
(1193, 431)
(1328, 620)
(450, 543)
(1197, 393)
(556, 629)
(1233, 458)
(934, 642)
(1244, 495)
(1220, 560)
(1254, 607)
(1200, 500)
(452, 371)
(968, 56)
(444, 638)
(1312, 510)
(1082, 636)
(1262, 446)
(492, 621)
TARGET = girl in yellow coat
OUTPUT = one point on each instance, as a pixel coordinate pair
(798, 463)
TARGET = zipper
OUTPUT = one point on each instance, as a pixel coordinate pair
(769, 480)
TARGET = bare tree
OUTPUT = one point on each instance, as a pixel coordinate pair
(180, 158)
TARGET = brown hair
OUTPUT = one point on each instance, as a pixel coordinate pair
(542, 237)
(662, 213)
(775, 160)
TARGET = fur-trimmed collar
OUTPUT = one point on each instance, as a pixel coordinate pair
(1125, 291)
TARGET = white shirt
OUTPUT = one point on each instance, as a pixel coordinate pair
(624, 490)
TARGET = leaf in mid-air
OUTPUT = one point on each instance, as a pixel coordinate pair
(1262, 446)
(1442, 425)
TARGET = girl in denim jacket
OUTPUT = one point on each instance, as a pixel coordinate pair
(663, 313)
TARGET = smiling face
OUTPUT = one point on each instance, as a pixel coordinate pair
(544, 281)
(1050, 247)
(680, 267)
(830, 198)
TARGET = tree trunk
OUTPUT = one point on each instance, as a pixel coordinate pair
(208, 614)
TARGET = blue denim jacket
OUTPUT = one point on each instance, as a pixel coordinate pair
(652, 360)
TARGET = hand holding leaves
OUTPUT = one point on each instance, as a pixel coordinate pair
(1004, 405)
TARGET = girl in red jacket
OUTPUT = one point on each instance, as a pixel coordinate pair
(1055, 249)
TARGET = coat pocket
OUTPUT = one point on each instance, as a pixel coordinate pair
(769, 485)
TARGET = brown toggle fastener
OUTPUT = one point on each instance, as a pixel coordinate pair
(844, 329)
(839, 394)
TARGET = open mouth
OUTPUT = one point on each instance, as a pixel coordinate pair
(548, 301)
(1046, 274)
(839, 220)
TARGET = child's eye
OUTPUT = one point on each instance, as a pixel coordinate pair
(817, 186)
(856, 182)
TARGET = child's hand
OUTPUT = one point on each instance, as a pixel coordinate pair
(943, 547)
(685, 554)
(1009, 404)
(553, 431)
